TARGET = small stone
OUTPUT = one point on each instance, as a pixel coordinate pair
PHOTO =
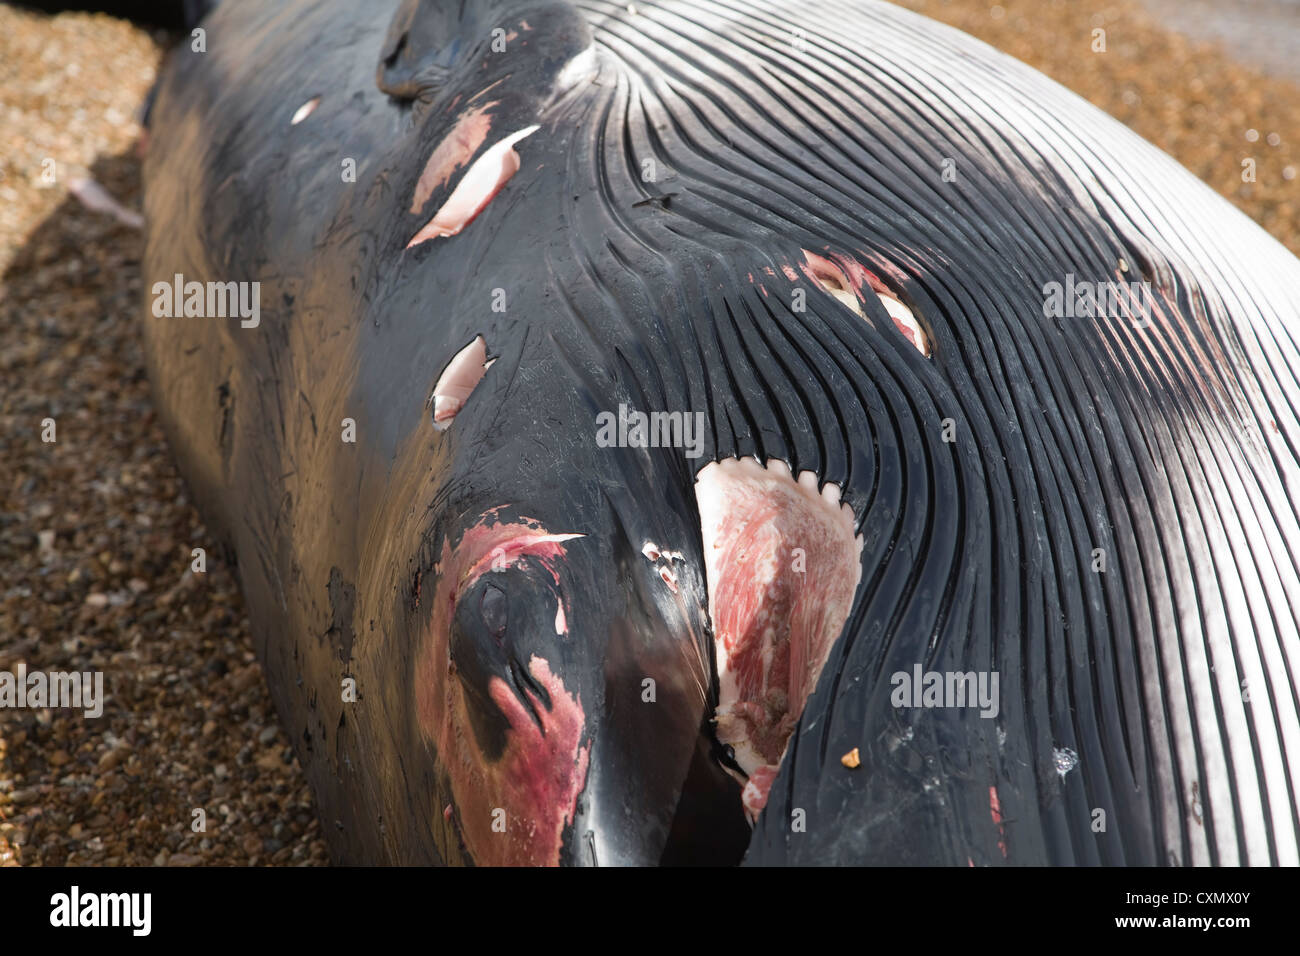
(270, 760)
(245, 677)
(852, 759)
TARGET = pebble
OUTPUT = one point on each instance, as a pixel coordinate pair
(111, 758)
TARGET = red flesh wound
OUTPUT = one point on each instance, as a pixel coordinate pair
(536, 781)
(783, 565)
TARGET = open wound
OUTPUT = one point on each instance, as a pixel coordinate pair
(477, 187)
(783, 565)
(846, 280)
(457, 381)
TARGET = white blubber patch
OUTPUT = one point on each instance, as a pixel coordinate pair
(481, 182)
(457, 381)
(668, 558)
(776, 613)
(906, 323)
(305, 110)
(833, 284)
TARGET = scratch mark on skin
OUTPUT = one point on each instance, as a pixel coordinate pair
(995, 810)
(489, 87)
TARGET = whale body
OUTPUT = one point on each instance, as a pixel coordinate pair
(706, 429)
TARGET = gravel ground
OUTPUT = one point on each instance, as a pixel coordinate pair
(96, 528)
(1196, 103)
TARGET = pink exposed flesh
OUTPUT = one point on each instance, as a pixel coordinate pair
(477, 187)
(537, 779)
(541, 775)
(452, 153)
(776, 612)
(457, 381)
(848, 281)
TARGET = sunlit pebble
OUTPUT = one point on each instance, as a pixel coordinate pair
(1274, 139)
(1252, 135)
(1131, 98)
(996, 12)
(1288, 173)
